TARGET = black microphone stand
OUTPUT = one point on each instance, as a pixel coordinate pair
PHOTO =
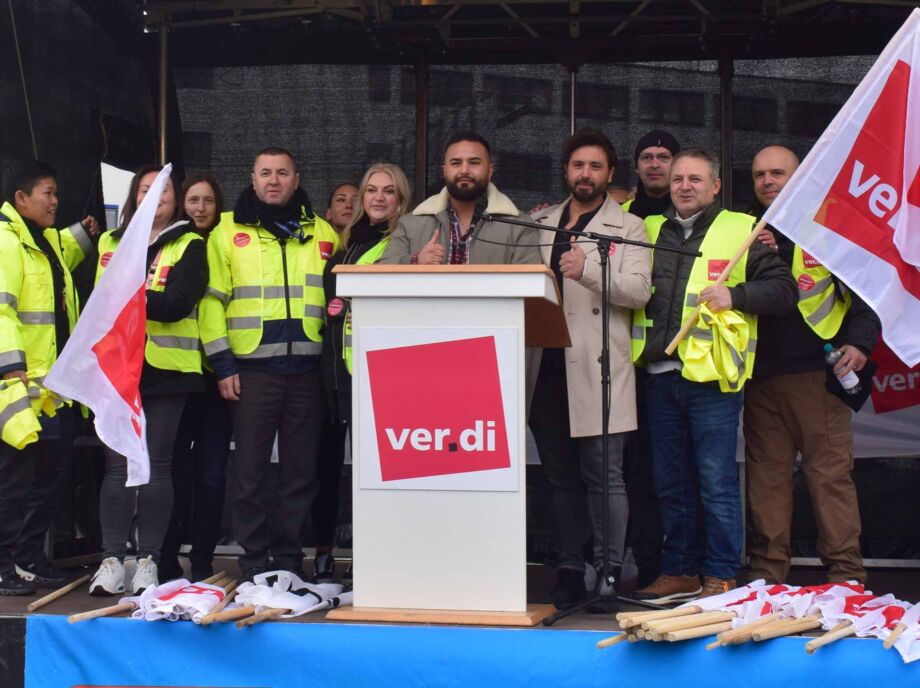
(603, 242)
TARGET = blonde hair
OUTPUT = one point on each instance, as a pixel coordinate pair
(403, 193)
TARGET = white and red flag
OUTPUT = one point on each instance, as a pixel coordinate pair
(101, 363)
(854, 203)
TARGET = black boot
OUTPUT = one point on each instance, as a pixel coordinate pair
(607, 602)
(570, 589)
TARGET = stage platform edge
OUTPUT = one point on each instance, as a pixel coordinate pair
(534, 615)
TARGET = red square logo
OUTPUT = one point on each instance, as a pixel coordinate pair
(325, 249)
(809, 260)
(438, 409)
(894, 385)
(715, 269)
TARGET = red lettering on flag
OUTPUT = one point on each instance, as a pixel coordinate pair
(715, 269)
(193, 590)
(894, 385)
(121, 353)
(438, 409)
(864, 196)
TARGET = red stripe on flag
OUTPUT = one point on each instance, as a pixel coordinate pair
(866, 193)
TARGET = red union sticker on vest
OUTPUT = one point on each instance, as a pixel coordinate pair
(164, 273)
(106, 257)
(715, 269)
(241, 239)
(806, 283)
(439, 415)
(325, 249)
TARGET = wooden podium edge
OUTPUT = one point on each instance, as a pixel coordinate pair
(534, 615)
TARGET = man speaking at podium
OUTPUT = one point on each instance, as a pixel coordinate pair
(448, 229)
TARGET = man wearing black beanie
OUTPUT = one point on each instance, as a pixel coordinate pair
(654, 152)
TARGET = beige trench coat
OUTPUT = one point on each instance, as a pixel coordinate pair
(629, 288)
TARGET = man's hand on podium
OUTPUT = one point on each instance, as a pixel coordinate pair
(432, 253)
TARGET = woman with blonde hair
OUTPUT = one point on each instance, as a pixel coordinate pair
(384, 196)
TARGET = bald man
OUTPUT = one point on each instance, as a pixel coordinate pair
(787, 408)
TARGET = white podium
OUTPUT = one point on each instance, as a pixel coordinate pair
(438, 431)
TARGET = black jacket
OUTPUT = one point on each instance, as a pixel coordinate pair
(336, 378)
(768, 289)
(786, 344)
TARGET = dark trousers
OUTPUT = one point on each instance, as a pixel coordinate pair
(325, 509)
(784, 415)
(153, 501)
(30, 482)
(574, 470)
(644, 534)
(292, 406)
(199, 476)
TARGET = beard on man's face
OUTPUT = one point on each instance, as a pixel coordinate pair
(587, 195)
(470, 191)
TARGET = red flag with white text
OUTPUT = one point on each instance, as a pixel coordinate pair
(854, 203)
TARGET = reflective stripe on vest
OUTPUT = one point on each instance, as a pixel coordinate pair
(820, 302)
(722, 239)
(19, 424)
(370, 257)
(170, 345)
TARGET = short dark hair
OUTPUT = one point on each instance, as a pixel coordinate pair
(707, 154)
(467, 135)
(277, 150)
(26, 175)
(131, 202)
(336, 188)
(588, 137)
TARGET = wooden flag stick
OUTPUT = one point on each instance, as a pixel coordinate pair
(660, 614)
(261, 616)
(841, 630)
(745, 631)
(232, 614)
(60, 592)
(612, 640)
(216, 577)
(704, 619)
(104, 611)
(697, 632)
(691, 321)
(786, 627)
(893, 636)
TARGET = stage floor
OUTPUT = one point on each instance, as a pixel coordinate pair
(903, 583)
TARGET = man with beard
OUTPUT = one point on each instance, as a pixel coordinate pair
(446, 228)
(565, 416)
(653, 155)
(788, 410)
(261, 321)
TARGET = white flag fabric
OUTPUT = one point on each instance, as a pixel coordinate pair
(101, 363)
(854, 203)
(724, 600)
(180, 601)
(284, 590)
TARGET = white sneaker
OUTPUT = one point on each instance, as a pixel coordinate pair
(109, 579)
(145, 577)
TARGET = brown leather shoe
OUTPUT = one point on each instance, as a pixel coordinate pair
(716, 586)
(667, 588)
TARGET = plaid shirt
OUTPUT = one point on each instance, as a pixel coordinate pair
(458, 248)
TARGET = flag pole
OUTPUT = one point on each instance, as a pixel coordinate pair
(691, 321)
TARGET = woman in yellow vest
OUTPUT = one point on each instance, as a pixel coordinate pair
(176, 279)
(384, 196)
(203, 438)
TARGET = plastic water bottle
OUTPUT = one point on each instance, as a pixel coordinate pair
(849, 381)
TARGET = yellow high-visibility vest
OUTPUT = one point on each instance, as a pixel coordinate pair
(820, 302)
(170, 345)
(714, 358)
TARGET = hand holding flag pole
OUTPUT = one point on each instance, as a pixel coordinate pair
(739, 254)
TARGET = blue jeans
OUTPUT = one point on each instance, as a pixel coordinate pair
(694, 431)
